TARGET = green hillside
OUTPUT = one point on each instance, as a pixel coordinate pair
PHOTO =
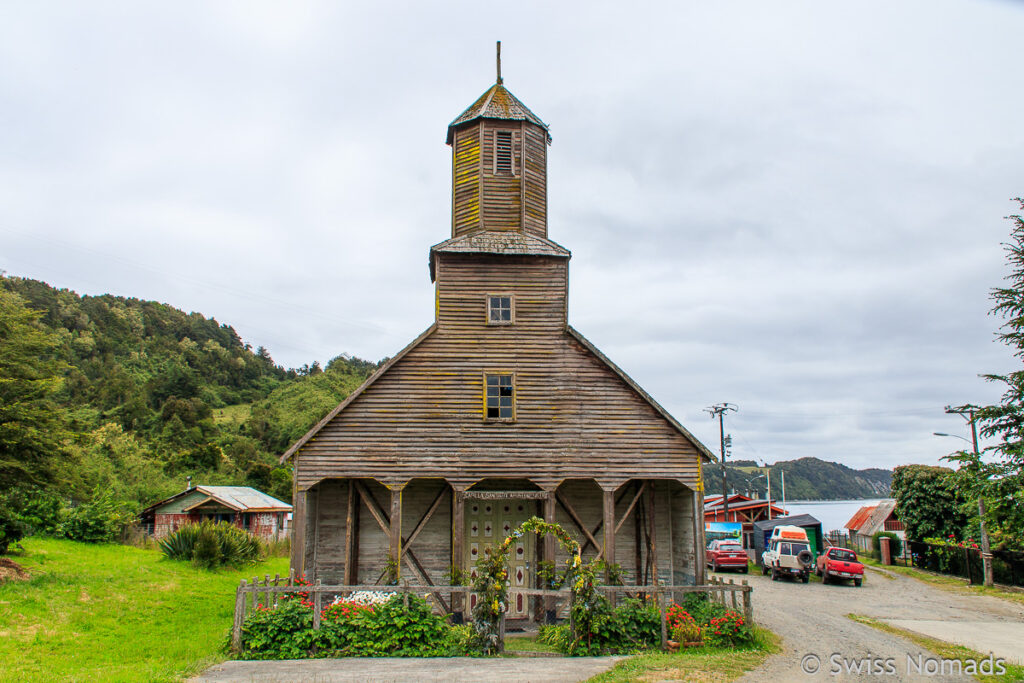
(806, 479)
(146, 395)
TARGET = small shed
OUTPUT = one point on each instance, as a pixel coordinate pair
(252, 510)
(763, 531)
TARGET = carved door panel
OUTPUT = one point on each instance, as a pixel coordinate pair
(489, 522)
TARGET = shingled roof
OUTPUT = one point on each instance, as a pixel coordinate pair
(505, 242)
(496, 103)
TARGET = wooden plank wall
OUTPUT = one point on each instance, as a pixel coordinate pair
(424, 417)
(466, 181)
(482, 200)
(535, 179)
(688, 553)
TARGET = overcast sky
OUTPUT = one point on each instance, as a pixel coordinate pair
(794, 207)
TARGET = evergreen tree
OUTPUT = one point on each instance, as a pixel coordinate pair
(1001, 481)
(31, 424)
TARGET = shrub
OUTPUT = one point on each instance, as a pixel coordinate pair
(703, 610)
(100, 520)
(876, 543)
(210, 545)
(632, 626)
(728, 630)
(683, 626)
(392, 629)
(557, 636)
(11, 529)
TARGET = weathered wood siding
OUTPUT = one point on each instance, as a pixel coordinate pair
(576, 418)
(485, 200)
(535, 180)
(466, 171)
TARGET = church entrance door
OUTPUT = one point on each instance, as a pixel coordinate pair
(488, 522)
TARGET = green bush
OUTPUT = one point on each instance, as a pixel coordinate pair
(210, 545)
(876, 544)
(392, 629)
(12, 529)
(632, 626)
(728, 630)
(100, 520)
(701, 608)
(557, 636)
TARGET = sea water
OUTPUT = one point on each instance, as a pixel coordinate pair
(833, 514)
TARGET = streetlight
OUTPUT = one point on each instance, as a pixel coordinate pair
(986, 551)
(768, 488)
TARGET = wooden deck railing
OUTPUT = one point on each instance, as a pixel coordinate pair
(248, 596)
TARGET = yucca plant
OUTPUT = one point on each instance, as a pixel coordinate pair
(211, 545)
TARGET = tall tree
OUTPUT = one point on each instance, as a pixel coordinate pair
(31, 424)
(1001, 479)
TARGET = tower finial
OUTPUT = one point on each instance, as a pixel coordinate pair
(499, 62)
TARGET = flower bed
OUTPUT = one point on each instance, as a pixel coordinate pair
(366, 624)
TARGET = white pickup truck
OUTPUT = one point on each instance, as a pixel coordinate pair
(788, 554)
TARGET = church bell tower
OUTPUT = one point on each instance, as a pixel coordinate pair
(499, 165)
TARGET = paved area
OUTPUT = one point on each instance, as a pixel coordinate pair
(395, 669)
(1004, 640)
(811, 619)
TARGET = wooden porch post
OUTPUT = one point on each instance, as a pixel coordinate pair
(652, 520)
(458, 549)
(298, 532)
(395, 548)
(698, 535)
(352, 536)
(609, 531)
(550, 516)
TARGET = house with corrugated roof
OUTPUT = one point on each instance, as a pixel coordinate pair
(256, 512)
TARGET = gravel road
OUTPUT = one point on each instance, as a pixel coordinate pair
(811, 619)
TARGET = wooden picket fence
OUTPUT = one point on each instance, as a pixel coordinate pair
(248, 597)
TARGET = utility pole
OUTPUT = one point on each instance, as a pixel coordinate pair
(719, 410)
(968, 412)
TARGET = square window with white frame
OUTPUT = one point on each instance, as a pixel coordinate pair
(499, 310)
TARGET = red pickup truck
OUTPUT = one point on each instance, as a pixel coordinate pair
(839, 564)
(726, 554)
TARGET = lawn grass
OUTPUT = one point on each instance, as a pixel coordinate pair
(528, 644)
(954, 584)
(694, 664)
(1014, 673)
(114, 613)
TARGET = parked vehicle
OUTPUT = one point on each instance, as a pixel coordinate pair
(788, 554)
(726, 554)
(839, 564)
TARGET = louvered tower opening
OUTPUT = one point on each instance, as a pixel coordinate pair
(503, 153)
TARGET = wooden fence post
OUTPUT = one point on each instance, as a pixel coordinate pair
(734, 605)
(317, 601)
(236, 628)
(664, 622)
(748, 610)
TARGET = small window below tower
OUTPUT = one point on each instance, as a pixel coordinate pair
(503, 153)
(499, 310)
(499, 399)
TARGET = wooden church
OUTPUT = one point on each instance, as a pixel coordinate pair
(500, 410)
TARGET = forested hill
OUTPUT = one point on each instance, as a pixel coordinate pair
(806, 479)
(151, 395)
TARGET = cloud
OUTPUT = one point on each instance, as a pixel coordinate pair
(796, 209)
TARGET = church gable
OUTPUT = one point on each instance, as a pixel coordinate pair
(575, 415)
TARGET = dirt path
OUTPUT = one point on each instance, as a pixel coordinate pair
(811, 619)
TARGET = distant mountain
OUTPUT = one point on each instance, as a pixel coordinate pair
(151, 395)
(806, 479)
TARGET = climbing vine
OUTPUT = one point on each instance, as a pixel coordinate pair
(492, 582)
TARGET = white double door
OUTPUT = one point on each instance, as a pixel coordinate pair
(488, 523)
